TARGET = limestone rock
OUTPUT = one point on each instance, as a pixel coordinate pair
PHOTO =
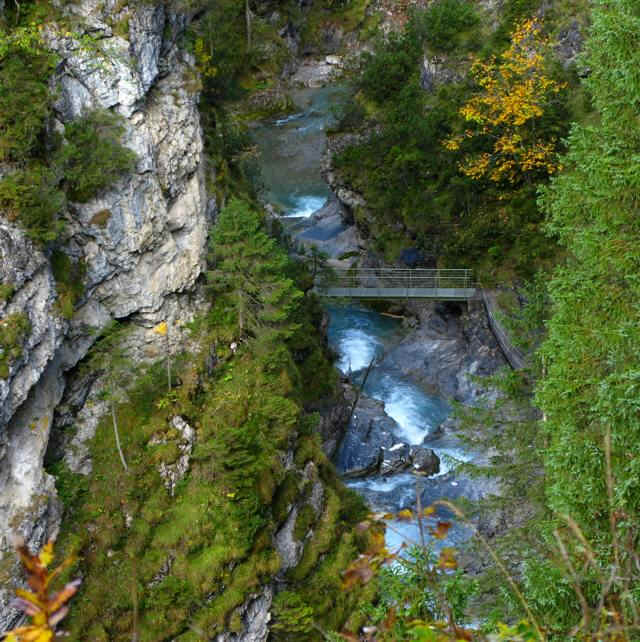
(394, 458)
(255, 615)
(434, 72)
(424, 460)
(143, 243)
(289, 549)
(570, 42)
(25, 268)
(173, 473)
(452, 344)
(370, 429)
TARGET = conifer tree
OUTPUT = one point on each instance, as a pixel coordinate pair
(109, 356)
(248, 270)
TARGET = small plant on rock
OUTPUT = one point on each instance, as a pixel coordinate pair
(46, 610)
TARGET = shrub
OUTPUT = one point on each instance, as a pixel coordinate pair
(443, 22)
(69, 276)
(13, 330)
(33, 198)
(389, 68)
(93, 157)
(24, 103)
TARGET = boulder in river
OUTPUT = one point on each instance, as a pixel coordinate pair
(424, 460)
(394, 459)
(370, 429)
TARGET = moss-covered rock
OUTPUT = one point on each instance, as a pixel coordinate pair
(188, 559)
(13, 330)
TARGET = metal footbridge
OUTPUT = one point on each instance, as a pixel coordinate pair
(397, 283)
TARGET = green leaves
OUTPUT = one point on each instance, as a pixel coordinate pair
(593, 346)
(93, 157)
(24, 101)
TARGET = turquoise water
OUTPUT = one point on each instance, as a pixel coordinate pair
(359, 334)
(291, 151)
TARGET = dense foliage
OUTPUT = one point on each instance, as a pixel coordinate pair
(43, 169)
(426, 122)
(452, 167)
(569, 465)
(180, 557)
(589, 391)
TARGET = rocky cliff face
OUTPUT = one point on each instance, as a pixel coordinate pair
(142, 243)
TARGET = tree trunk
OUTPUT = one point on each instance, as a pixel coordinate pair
(168, 361)
(117, 434)
(247, 16)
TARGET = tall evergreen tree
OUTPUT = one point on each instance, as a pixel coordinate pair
(249, 270)
(591, 384)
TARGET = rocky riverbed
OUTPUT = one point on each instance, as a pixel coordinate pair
(400, 438)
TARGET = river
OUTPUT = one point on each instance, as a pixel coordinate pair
(291, 151)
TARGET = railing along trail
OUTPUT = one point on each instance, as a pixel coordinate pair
(394, 283)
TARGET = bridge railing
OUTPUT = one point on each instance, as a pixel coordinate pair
(409, 278)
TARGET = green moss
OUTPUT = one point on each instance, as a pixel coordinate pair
(309, 447)
(305, 519)
(69, 276)
(13, 330)
(6, 292)
(291, 615)
(71, 487)
(285, 496)
(321, 540)
(121, 27)
(101, 218)
(185, 563)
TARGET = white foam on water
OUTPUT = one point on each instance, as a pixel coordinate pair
(403, 406)
(415, 412)
(450, 458)
(357, 349)
(288, 119)
(305, 206)
(385, 484)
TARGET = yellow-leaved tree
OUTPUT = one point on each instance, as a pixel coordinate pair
(514, 92)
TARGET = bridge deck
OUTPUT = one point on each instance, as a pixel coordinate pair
(398, 283)
(444, 294)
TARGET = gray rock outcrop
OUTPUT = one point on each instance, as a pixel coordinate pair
(371, 445)
(255, 616)
(451, 345)
(433, 72)
(142, 243)
(370, 429)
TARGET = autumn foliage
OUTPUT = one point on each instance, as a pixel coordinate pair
(514, 92)
(46, 610)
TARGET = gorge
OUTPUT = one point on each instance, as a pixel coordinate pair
(218, 452)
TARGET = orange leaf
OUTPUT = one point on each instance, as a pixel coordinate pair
(405, 515)
(358, 572)
(45, 557)
(376, 544)
(441, 530)
(63, 596)
(363, 526)
(447, 559)
(390, 619)
(29, 597)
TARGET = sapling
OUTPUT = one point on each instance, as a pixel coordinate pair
(108, 355)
